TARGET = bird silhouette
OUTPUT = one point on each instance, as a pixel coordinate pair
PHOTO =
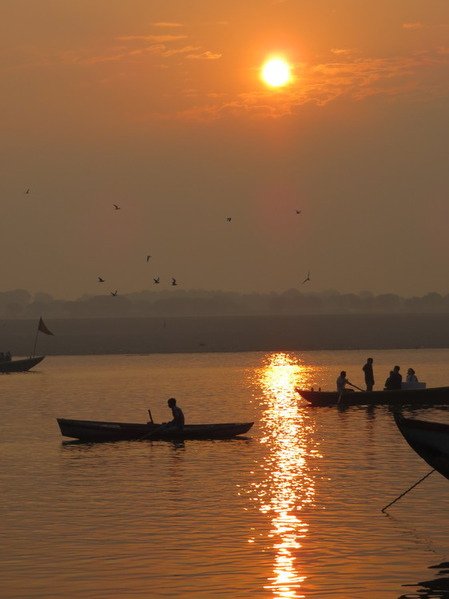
(173, 281)
(156, 280)
(298, 211)
(27, 191)
(116, 207)
(307, 278)
(100, 280)
(114, 293)
(229, 218)
(148, 258)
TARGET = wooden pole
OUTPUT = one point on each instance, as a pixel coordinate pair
(35, 341)
(405, 492)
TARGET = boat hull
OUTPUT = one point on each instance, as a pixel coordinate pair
(22, 365)
(96, 431)
(430, 440)
(430, 396)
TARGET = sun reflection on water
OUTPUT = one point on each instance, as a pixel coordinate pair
(287, 485)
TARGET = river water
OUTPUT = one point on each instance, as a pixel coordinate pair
(293, 511)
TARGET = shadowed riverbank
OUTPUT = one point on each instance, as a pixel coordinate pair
(223, 334)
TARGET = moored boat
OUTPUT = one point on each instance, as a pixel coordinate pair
(430, 440)
(429, 396)
(97, 431)
(20, 365)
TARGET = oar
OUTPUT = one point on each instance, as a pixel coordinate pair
(148, 435)
(355, 387)
(341, 392)
(409, 489)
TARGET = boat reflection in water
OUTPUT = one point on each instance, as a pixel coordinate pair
(287, 483)
(431, 589)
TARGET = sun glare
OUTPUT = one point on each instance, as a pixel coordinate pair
(276, 72)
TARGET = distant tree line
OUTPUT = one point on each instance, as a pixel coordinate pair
(20, 303)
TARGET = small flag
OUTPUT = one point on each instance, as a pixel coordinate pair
(42, 328)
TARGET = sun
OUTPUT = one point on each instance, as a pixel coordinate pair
(276, 72)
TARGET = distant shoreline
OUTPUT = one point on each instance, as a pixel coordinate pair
(96, 336)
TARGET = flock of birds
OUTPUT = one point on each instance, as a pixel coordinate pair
(157, 280)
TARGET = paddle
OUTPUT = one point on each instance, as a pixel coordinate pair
(149, 435)
(341, 392)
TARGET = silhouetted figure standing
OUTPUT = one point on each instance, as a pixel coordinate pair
(369, 374)
(394, 381)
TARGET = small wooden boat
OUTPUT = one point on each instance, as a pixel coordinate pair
(421, 397)
(93, 431)
(21, 365)
(430, 440)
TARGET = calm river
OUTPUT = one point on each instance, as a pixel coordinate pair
(291, 511)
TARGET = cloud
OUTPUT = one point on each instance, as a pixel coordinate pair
(167, 25)
(419, 76)
(151, 38)
(342, 51)
(206, 55)
(413, 26)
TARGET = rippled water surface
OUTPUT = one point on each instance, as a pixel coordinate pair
(291, 511)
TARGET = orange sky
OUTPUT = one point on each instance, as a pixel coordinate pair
(159, 107)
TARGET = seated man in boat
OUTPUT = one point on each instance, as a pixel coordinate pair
(8, 356)
(411, 376)
(342, 381)
(394, 381)
(178, 415)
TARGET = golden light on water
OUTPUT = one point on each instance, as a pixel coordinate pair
(276, 72)
(287, 485)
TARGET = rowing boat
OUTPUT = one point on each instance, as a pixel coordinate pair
(94, 431)
(430, 440)
(400, 397)
(21, 365)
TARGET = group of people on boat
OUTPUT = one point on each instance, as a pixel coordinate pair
(393, 382)
(5, 357)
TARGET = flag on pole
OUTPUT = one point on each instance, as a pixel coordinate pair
(42, 327)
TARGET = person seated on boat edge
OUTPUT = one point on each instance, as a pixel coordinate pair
(8, 356)
(369, 375)
(178, 416)
(342, 381)
(411, 376)
(394, 381)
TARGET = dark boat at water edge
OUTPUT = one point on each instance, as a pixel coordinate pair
(430, 440)
(400, 397)
(20, 365)
(97, 431)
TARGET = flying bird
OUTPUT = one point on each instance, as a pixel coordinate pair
(116, 207)
(229, 218)
(307, 278)
(173, 281)
(298, 211)
(114, 293)
(156, 280)
(100, 280)
(148, 258)
(27, 191)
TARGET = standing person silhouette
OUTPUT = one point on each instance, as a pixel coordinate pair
(369, 375)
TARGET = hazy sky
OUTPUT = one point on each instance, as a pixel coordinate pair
(158, 106)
